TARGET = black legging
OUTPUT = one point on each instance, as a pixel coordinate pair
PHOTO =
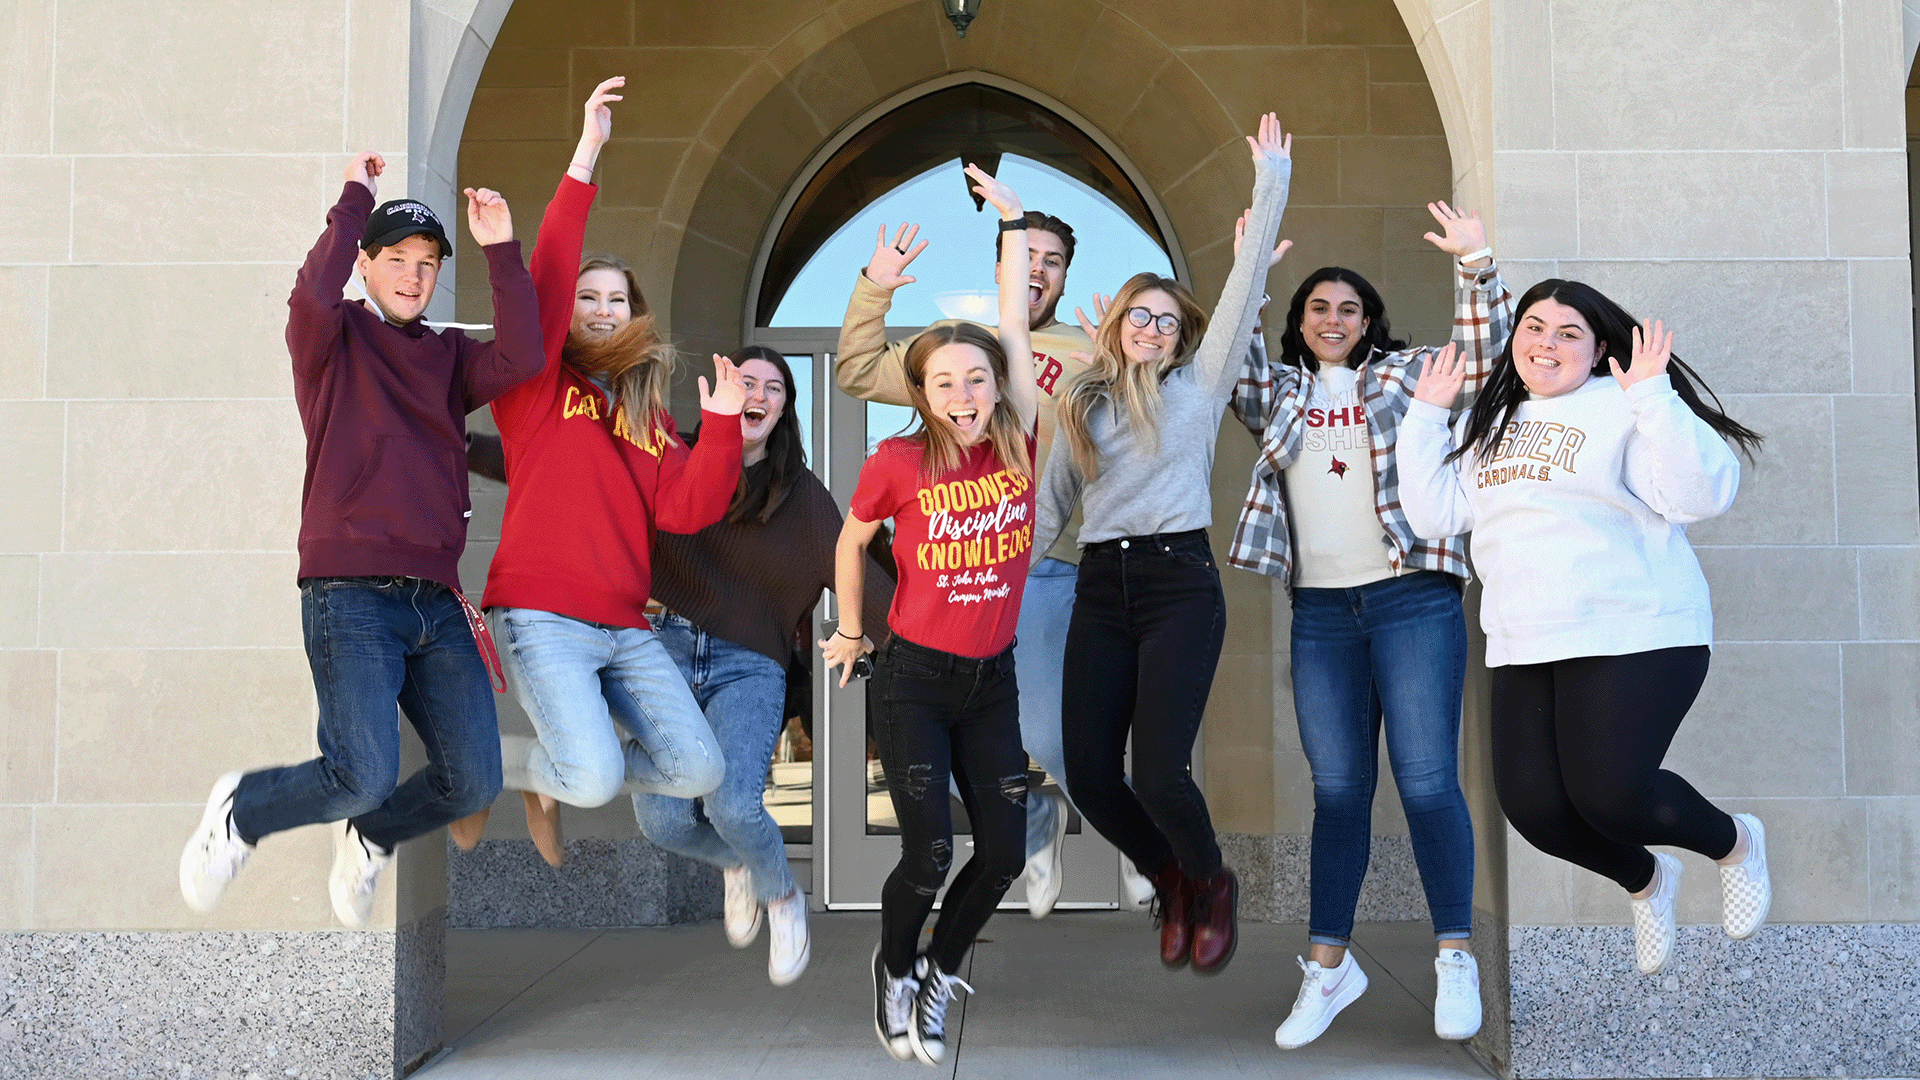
(1577, 746)
(937, 715)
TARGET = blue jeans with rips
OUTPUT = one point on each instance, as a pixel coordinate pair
(1395, 651)
(743, 694)
(373, 642)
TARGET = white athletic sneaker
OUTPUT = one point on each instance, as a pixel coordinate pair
(1456, 1008)
(893, 1009)
(357, 863)
(741, 913)
(1323, 993)
(930, 1009)
(1136, 888)
(1747, 887)
(791, 947)
(1653, 917)
(1044, 867)
(214, 853)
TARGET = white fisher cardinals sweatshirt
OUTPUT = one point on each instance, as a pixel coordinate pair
(1579, 518)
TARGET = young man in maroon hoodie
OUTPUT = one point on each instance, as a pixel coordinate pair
(383, 519)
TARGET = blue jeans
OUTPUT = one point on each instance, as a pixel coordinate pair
(744, 694)
(583, 685)
(1393, 649)
(1040, 651)
(372, 642)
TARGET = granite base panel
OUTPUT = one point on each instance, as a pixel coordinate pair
(1274, 873)
(1494, 1044)
(213, 1005)
(1796, 1000)
(504, 884)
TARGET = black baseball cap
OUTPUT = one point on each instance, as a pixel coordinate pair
(398, 219)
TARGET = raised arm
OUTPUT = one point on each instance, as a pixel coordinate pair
(1015, 338)
(1431, 494)
(514, 355)
(697, 486)
(1483, 306)
(866, 366)
(557, 250)
(1676, 464)
(1239, 303)
(1257, 390)
(313, 321)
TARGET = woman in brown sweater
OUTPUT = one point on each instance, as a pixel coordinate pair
(735, 592)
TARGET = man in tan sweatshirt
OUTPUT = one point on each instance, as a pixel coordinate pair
(870, 368)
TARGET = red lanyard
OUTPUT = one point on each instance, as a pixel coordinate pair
(483, 641)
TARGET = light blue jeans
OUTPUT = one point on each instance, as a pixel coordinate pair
(1039, 652)
(744, 694)
(584, 685)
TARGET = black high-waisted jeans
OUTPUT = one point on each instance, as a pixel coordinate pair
(1148, 621)
(938, 716)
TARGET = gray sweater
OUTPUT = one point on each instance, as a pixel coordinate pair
(1141, 490)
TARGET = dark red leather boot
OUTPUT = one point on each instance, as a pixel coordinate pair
(1173, 913)
(1215, 932)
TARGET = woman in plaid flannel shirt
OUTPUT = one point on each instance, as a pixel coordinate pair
(1378, 629)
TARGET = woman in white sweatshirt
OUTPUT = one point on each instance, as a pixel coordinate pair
(1577, 475)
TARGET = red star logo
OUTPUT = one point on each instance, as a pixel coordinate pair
(1339, 468)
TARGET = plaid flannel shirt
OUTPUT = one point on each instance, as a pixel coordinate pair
(1271, 400)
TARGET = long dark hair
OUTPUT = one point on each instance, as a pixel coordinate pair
(1378, 337)
(1613, 332)
(761, 491)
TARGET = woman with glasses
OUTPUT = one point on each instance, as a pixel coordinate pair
(1138, 431)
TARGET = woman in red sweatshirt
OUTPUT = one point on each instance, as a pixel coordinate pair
(597, 466)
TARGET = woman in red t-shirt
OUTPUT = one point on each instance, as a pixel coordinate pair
(960, 492)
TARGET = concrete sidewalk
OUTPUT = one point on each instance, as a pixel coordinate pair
(1078, 994)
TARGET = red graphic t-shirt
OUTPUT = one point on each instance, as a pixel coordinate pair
(962, 544)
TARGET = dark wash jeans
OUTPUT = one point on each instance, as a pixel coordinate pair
(944, 716)
(1392, 650)
(1148, 621)
(372, 642)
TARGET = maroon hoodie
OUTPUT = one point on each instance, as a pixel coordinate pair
(385, 410)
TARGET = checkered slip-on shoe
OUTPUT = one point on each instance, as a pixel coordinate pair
(1746, 887)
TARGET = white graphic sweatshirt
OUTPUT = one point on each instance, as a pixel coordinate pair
(1578, 518)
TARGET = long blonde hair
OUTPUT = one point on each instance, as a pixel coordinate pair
(634, 360)
(943, 450)
(1113, 378)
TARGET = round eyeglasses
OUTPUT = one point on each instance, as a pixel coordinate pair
(1167, 324)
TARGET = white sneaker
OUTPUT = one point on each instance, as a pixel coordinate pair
(1045, 871)
(791, 947)
(357, 863)
(1746, 887)
(1456, 1008)
(1136, 888)
(1653, 917)
(929, 1029)
(741, 913)
(893, 1009)
(1323, 993)
(214, 853)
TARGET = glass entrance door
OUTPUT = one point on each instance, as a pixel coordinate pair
(854, 839)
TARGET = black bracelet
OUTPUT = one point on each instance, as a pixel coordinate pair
(1014, 224)
(849, 637)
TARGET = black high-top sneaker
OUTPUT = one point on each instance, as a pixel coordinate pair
(937, 990)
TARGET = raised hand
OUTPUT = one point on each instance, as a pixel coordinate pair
(365, 166)
(1269, 143)
(1440, 383)
(729, 393)
(599, 124)
(1000, 195)
(487, 216)
(1100, 305)
(1652, 348)
(1464, 233)
(889, 263)
(1240, 230)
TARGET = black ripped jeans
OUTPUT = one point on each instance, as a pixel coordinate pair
(938, 716)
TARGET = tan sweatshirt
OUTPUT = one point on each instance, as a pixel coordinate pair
(871, 369)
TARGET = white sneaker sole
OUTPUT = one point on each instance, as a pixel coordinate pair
(217, 809)
(1348, 993)
(901, 1049)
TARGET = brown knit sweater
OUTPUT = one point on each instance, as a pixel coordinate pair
(752, 584)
